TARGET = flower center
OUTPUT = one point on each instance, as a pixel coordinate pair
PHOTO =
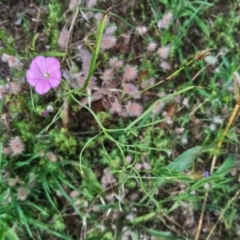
(46, 75)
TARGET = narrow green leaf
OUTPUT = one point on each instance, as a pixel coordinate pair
(103, 236)
(185, 160)
(227, 165)
(35, 37)
(90, 178)
(144, 218)
(46, 228)
(107, 236)
(23, 220)
(162, 235)
(202, 26)
(93, 63)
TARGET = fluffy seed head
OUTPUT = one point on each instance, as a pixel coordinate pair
(185, 102)
(133, 196)
(63, 38)
(12, 61)
(151, 47)
(98, 16)
(5, 57)
(217, 119)
(212, 60)
(110, 197)
(85, 57)
(141, 30)
(50, 108)
(146, 166)
(51, 156)
(129, 159)
(164, 23)
(147, 83)
(16, 145)
(179, 130)
(108, 74)
(22, 193)
(138, 166)
(15, 87)
(72, 4)
(131, 90)
(107, 179)
(74, 194)
(130, 73)
(3, 91)
(108, 41)
(116, 107)
(115, 63)
(158, 108)
(91, 3)
(165, 65)
(184, 140)
(111, 30)
(212, 127)
(123, 113)
(133, 109)
(163, 52)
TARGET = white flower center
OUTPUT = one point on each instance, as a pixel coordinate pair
(46, 75)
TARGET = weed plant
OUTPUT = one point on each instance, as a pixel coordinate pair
(111, 113)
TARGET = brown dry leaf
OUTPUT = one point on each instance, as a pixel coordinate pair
(171, 110)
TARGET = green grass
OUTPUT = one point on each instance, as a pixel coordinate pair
(90, 173)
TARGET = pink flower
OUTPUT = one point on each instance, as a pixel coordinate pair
(44, 73)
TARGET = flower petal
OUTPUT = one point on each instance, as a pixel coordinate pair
(39, 64)
(42, 87)
(33, 77)
(55, 79)
(52, 64)
(54, 83)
